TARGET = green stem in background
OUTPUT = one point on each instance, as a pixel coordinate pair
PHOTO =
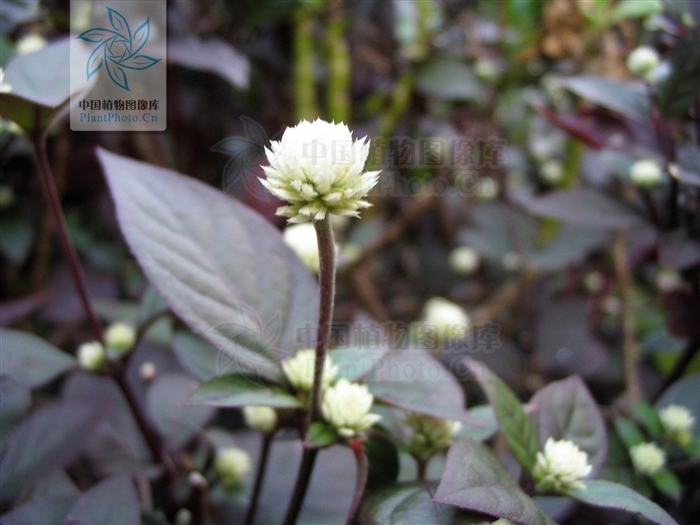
(305, 103)
(399, 105)
(624, 281)
(326, 253)
(362, 471)
(338, 62)
(259, 477)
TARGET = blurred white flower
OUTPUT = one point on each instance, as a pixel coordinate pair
(430, 434)
(643, 60)
(449, 319)
(678, 423)
(120, 338)
(299, 370)
(552, 171)
(302, 239)
(4, 86)
(561, 466)
(487, 188)
(464, 260)
(232, 465)
(346, 406)
(260, 418)
(29, 43)
(317, 168)
(646, 173)
(92, 356)
(647, 458)
(487, 69)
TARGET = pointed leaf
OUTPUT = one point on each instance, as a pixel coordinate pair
(320, 436)
(97, 35)
(612, 495)
(667, 482)
(628, 432)
(566, 410)
(117, 74)
(647, 415)
(141, 36)
(95, 61)
(119, 23)
(476, 480)
(514, 422)
(214, 261)
(139, 62)
(112, 501)
(627, 98)
(237, 391)
(31, 360)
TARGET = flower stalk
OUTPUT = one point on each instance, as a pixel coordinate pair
(362, 470)
(259, 477)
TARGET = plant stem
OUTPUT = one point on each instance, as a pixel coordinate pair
(362, 470)
(39, 142)
(624, 281)
(304, 64)
(259, 478)
(338, 55)
(326, 253)
(421, 467)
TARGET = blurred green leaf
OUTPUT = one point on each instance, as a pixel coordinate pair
(629, 433)
(383, 458)
(636, 9)
(320, 436)
(612, 495)
(16, 238)
(449, 79)
(514, 422)
(647, 415)
(628, 99)
(31, 360)
(236, 390)
(667, 482)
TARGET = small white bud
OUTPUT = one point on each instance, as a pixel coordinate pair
(643, 60)
(147, 371)
(120, 338)
(299, 370)
(232, 465)
(646, 173)
(430, 434)
(594, 282)
(668, 280)
(301, 238)
(678, 423)
(487, 69)
(260, 418)
(487, 188)
(30, 43)
(92, 356)
(552, 171)
(464, 260)
(448, 318)
(561, 467)
(346, 406)
(647, 458)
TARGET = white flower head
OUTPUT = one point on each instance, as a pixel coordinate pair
(120, 338)
(91, 356)
(317, 168)
(647, 458)
(643, 60)
(260, 418)
(346, 406)
(299, 370)
(678, 423)
(552, 171)
(646, 173)
(232, 465)
(561, 466)
(302, 239)
(430, 434)
(464, 260)
(449, 319)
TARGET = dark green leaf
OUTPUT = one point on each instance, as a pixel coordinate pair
(628, 432)
(166, 403)
(110, 502)
(196, 355)
(626, 98)
(636, 9)
(414, 380)
(682, 87)
(449, 79)
(647, 415)
(667, 482)
(383, 461)
(612, 495)
(320, 436)
(41, 81)
(31, 360)
(237, 391)
(42, 512)
(16, 238)
(50, 437)
(566, 410)
(411, 504)
(476, 480)
(221, 267)
(512, 419)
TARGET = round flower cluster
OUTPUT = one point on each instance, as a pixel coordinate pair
(232, 465)
(678, 423)
(92, 356)
(299, 370)
(430, 434)
(642, 61)
(260, 418)
(317, 168)
(346, 406)
(119, 338)
(647, 458)
(464, 260)
(561, 466)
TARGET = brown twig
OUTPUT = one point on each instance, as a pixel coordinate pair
(361, 482)
(259, 477)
